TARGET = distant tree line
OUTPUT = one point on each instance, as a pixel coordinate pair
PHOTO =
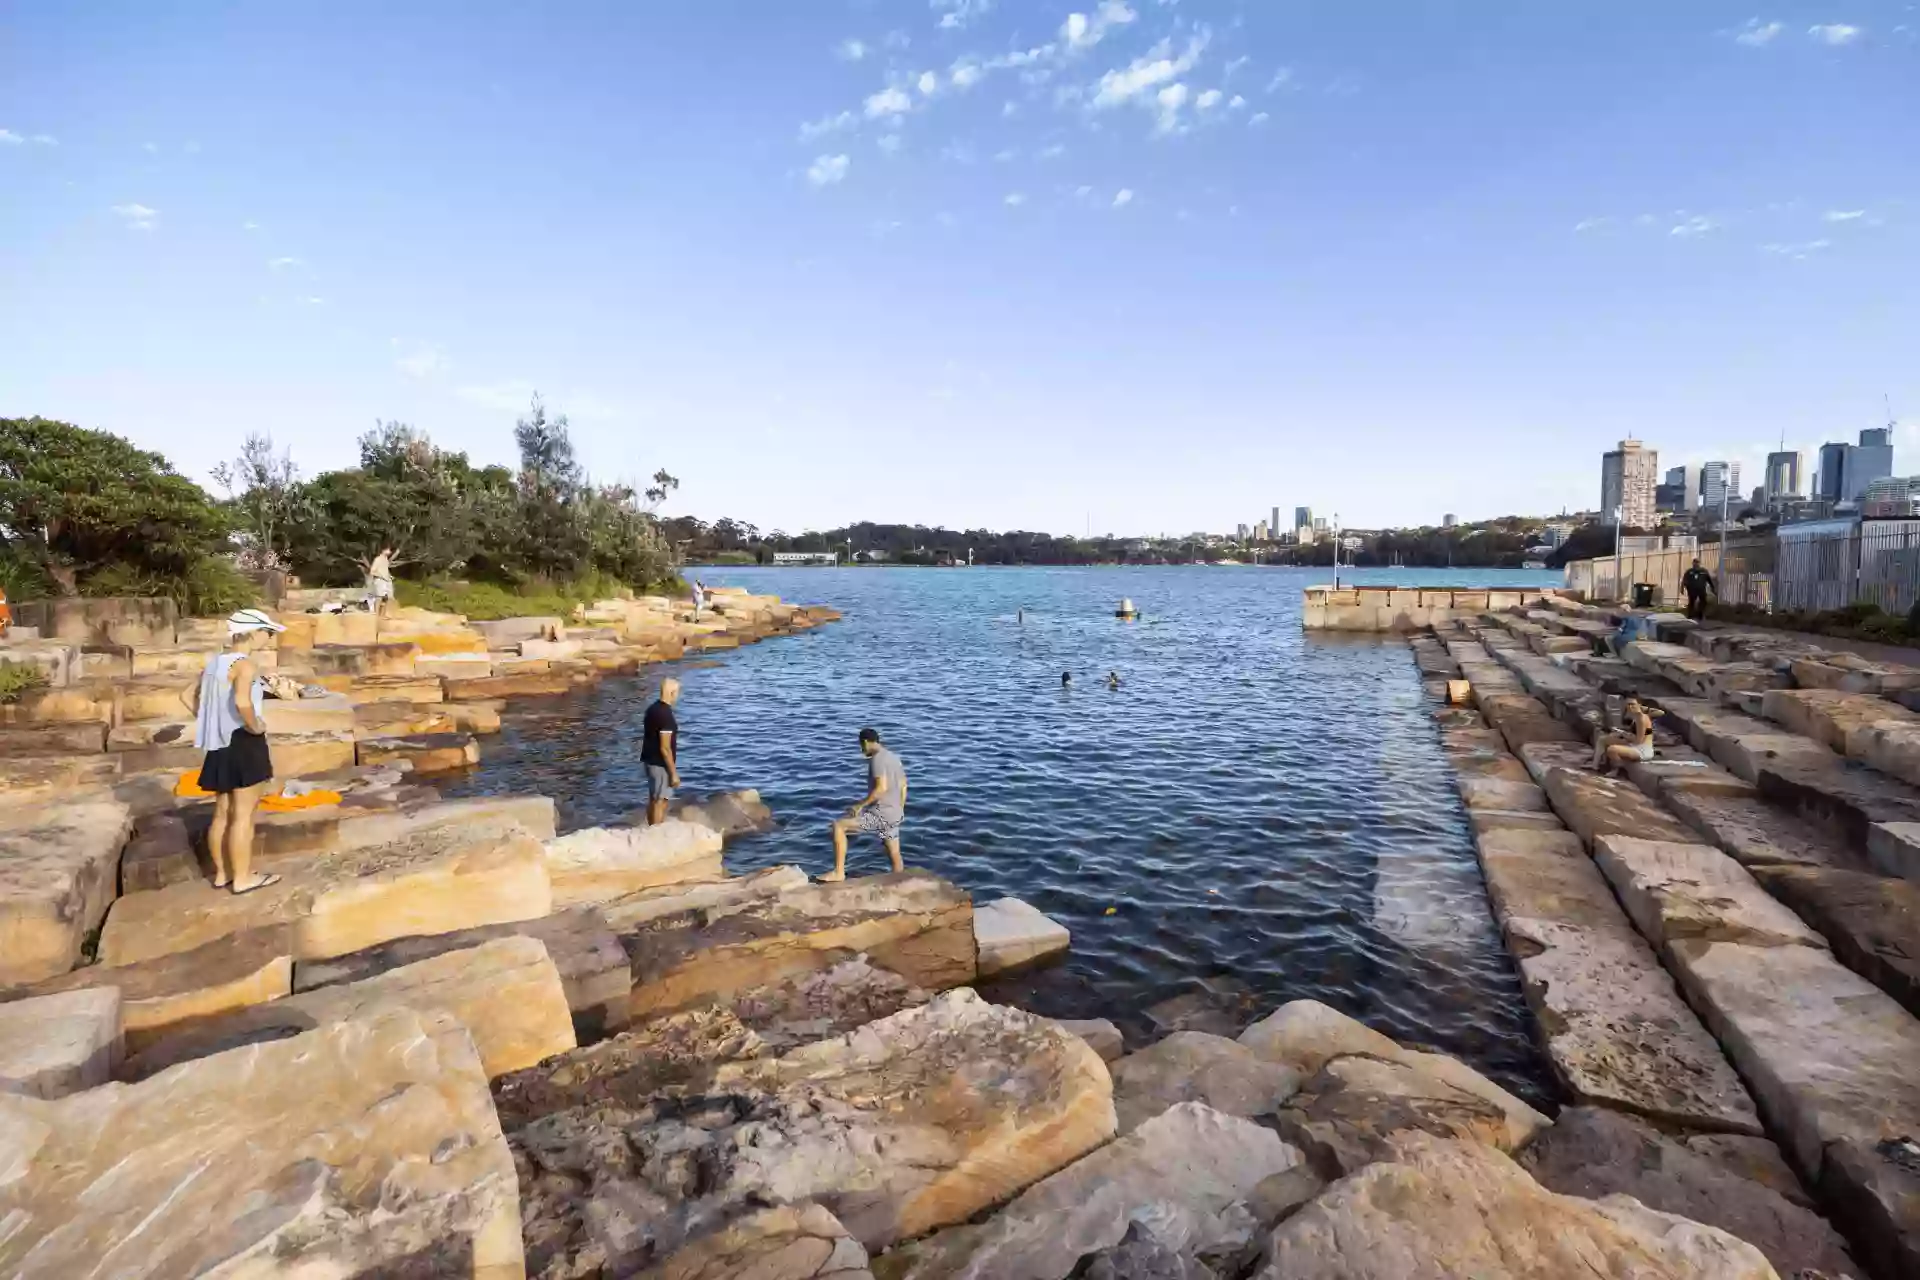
(85, 512)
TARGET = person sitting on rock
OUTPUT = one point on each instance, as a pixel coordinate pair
(659, 751)
(229, 726)
(879, 813)
(1633, 743)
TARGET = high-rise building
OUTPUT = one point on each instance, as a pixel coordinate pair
(1892, 496)
(1274, 526)
(1627, 477)
(1830, 483)
(1319, 526)
(1303, 516)
(1447, 521)
(1260, 531)
(1680, 491)
(1783, 474)
(1720, 485)
(1241, 533)
(1870, 460)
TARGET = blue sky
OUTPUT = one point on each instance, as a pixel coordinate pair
(1153, 266)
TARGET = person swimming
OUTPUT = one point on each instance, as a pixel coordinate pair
(1066, 679)
(1113, 679)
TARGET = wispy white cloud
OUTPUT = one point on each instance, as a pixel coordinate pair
(827, 124)
(890, 143)
(1123, 197)
(1282, 79)
(1593, 224)
(427, 360)
(1234, 65)
(929, 83)
(1052, 151)
(1694, 225)
(1258, 117)
(890, 101)
(1005, 155)
(44, 140)
(965, 73)
(1757, 33)
(1208, 99)
(1016, 198)
(1083, 31)
(827, 170)
(1236, 103)
(1843, 215)
(281, 264)
(1803, 249)
(1834, 33)
(1158, 67)
(138, 217)
(8, 138)
(1168, 103)
(249, 225)
(955, 14)
(852, 50)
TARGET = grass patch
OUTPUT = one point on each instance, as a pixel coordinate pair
(18, 679)
(492, 601)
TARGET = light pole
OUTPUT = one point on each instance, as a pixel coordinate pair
(1619, 522)
(1336, 551)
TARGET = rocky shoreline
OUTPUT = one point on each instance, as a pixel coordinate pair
(453, 1042)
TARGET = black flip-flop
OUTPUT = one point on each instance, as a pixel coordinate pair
(264, 882)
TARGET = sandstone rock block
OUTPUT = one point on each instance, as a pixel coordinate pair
(350, 627)
(415, 688)
(159, 854)
(1012, 935)
(1872, 922)
(1192, 1066)
(894, 1128)
(522, 686)
(1104, 1038)
(591, 963)
(1596, 1153)
(914, 924)
(172, 993)
(1756, 833)
(1188, 1171)
(731, 813)
(599, 864)
(507, 632)
(58, 868)
(54, 739)
(300, 755)
(1674, 891)
(635, 910)
(331, 714)
(365, 1148)
(455, 666)
(428, 752)
(401, 719)
(438, 879)
(474, 717)
(790, 1242)
(1445, 1208)
(1833, 717)
(53, 1045)
(506, 993)
(1593, 806)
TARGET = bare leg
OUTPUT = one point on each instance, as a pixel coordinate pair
(240, 836)
(656, 812)
(839, 871)
(1622, 756)
(893, 852)
(217, 842)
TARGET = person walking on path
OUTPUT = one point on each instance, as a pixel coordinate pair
(230, 727)
(379, 579)
(660, 752)
(1697, 582)
(878, 813)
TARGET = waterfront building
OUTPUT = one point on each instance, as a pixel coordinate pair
(1303, 517)
(1274, 527)
(1783, 474)
(806, 557)
(1303, 534)
(1870, 460)
(1240, 535)
(1891, 496)
(1719, 484)
(1627, 476)
(1553, 535)
(1319, 526)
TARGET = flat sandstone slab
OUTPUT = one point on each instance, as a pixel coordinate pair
(1674, 891)
(1010, 934)
(1444, 1208)
(506, 993)
(59, 869)
(599, 864)
(436, 880)
(915, 924)
(1872, 922)
(54, 1045)
(361, 1148)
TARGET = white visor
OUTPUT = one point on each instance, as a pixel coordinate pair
(244, 620)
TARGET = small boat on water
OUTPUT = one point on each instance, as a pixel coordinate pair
(1126, 610)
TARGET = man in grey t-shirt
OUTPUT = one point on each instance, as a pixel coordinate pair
(880, 812)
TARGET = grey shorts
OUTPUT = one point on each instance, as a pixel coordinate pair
(872, 822)
(659, 784)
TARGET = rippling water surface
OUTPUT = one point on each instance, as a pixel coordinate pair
(1253, 802)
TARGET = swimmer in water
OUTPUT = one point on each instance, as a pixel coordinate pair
(1113, 679)
(1066, 679)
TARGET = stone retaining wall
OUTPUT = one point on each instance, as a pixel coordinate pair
(1408, 608)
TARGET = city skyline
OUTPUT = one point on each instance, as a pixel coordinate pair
(1117, 262)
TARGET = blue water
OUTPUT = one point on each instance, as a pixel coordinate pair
(1253, 802)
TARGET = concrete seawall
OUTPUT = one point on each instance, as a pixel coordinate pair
(1410, 608)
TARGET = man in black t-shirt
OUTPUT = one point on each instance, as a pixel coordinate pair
(659, 750)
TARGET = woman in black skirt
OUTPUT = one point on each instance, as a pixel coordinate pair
(229, 727)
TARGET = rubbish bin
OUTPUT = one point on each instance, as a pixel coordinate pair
(1645, 595)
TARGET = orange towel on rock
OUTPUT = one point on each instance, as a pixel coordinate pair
(293, 804)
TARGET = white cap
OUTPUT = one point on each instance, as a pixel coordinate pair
(242, 621)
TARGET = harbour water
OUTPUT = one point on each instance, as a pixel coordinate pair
(1253, 805)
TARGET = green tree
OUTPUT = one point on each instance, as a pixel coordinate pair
(263, 490)
(555, 541)
(75, 501)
